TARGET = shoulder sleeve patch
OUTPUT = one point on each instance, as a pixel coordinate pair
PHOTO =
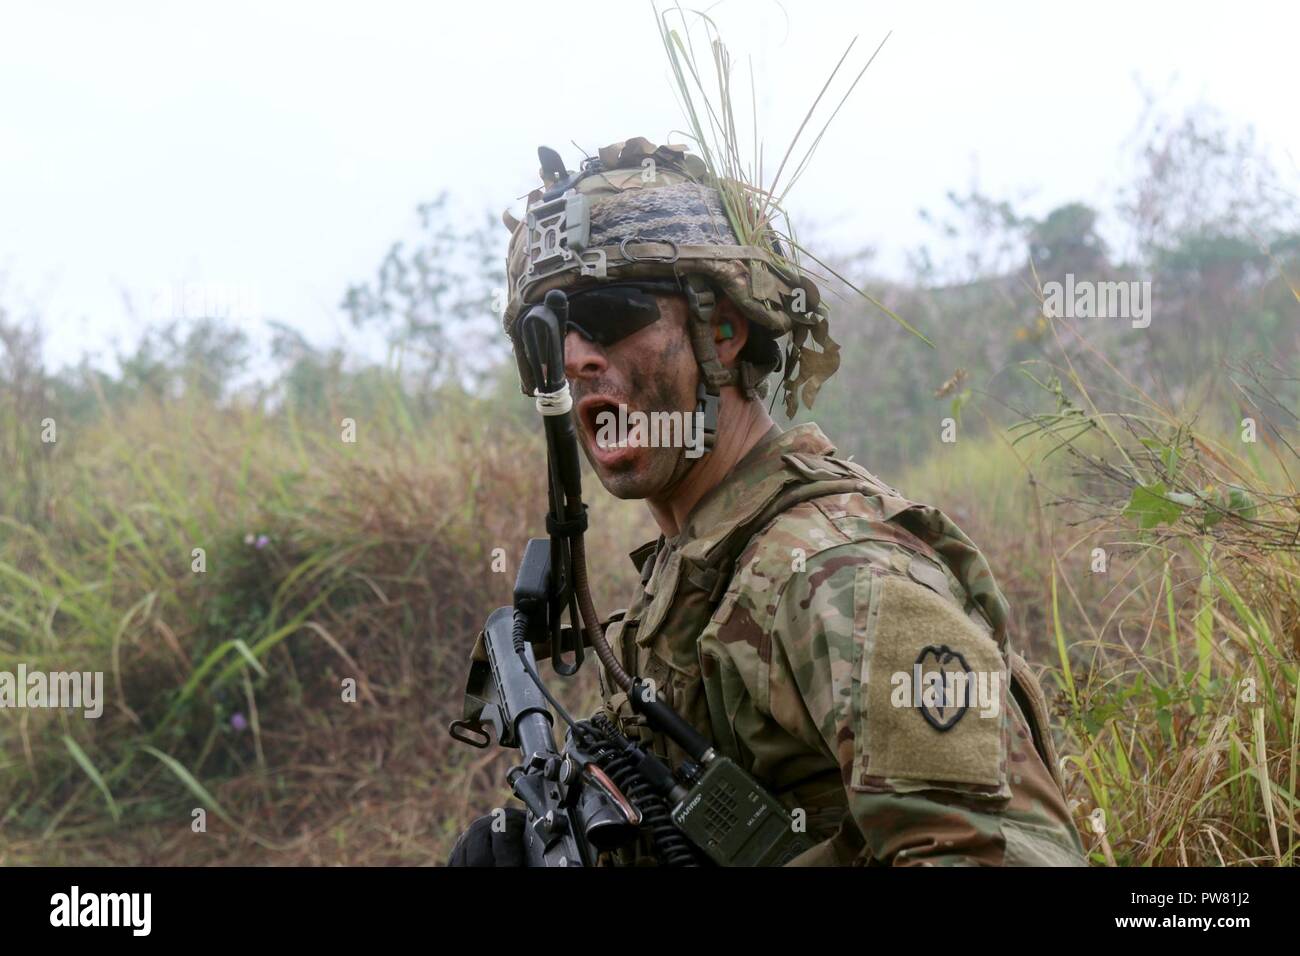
(932, 690)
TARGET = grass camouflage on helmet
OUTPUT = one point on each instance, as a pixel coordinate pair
(710, 219)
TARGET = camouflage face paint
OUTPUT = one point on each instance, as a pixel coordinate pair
(651, 371)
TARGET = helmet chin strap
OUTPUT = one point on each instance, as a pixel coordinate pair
(701, 301)
(707, 405)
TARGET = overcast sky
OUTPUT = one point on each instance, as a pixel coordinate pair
(278, 149)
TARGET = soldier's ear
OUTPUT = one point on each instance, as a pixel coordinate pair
(730, 330)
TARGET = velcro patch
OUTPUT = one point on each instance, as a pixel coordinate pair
(933, 690)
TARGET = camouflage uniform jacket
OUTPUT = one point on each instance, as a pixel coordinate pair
(794, 659)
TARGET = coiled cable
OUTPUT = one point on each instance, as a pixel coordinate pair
(618, 757)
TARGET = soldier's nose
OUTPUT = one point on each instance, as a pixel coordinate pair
(582, 359)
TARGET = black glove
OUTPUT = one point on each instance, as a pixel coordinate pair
(480, 845)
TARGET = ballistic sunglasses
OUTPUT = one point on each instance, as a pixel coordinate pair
(605, 314)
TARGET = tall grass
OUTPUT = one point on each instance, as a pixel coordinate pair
(324, 561)
(1153, 566)
(1183, 699)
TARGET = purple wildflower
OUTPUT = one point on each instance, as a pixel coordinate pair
(239, 722)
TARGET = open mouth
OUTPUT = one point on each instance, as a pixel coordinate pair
(600, 421)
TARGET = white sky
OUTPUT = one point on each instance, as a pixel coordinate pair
(280, 148)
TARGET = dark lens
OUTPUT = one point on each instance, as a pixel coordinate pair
(605, 315)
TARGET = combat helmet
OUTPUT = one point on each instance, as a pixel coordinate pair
(638, 212)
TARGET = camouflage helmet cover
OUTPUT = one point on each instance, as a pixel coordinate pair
(640, 211)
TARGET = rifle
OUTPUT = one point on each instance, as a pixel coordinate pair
(601, 791)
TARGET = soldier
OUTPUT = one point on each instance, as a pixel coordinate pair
(846, 646)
